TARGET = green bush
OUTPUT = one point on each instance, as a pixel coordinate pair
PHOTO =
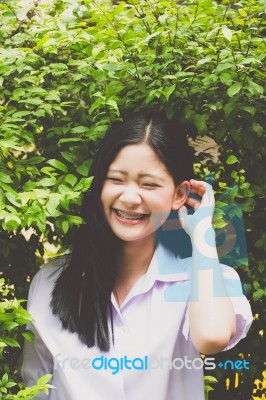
(67, 71)
(13, 318)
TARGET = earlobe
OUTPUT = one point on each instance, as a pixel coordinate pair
(181, 195)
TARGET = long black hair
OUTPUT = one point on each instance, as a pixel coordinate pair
(82, 292)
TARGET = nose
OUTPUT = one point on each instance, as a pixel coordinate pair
(130, 196)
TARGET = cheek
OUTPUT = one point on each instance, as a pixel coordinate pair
(162, 201)
(159, 219)
(109, 193)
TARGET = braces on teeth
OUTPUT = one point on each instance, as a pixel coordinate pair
(126, 216)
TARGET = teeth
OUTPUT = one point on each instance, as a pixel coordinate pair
(128, 216)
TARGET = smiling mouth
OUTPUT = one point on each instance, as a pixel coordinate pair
(129, 216)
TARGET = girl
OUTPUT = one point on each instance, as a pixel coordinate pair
(125, 315)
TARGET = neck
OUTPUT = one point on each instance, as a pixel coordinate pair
(135, 258)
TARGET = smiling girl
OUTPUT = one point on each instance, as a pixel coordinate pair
(124, 291)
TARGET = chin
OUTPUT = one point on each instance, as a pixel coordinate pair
(127, 237)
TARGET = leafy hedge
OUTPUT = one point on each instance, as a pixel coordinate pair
(67, 70)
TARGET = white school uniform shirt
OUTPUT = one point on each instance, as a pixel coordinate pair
(151, 327)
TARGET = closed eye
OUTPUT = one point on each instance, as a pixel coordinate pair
(150, 185)
(117, 180)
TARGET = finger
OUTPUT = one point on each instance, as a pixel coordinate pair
(193, 202)
(196, 182)
(208, 198)
(198, 187)
(201, 188)
(182, 213)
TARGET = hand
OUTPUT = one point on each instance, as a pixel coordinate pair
(197, 223)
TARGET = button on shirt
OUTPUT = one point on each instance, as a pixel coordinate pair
(152, 355)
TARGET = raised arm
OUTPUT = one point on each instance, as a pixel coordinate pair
(211, 314)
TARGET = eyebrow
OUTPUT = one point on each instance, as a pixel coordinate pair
(140, 175)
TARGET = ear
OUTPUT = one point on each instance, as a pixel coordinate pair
(181, 195)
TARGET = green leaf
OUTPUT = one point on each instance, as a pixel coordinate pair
(248, 193)
(77, 130)
(97, 49)
(200, 122)
(58, 165)
(261, 268)
(234, 89)
(46, 182)
(12, 219)
(67, 140)
(4, 379)
(227, 32)
(256, 285)
(9, 325)
(52, 205)
(71, 179)
(249, 205)
(258, 294)
(65, 226)
(28, 335)
(10, 341)
(44, 379)
(232, 159)
(37, 90)
(205, 60)
(75, 219)
(5, 178)
(112, 103)
(70, 157)
(10, 143)
(210, 379)
(18, 92)
(242, 12)
(168, 91)
(254, 88)
(34, 160)
(83, 184)
(34, 101)
(48, 109)
(257, 128)
(20, 114)
(83, 169)
(250, 109)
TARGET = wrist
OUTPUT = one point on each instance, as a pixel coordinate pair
(203, 236)
(204, 251)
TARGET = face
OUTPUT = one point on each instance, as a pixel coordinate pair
(139, 193)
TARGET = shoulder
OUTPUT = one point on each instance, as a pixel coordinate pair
(53, 267)
(47, 275)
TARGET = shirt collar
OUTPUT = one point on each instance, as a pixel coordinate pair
(165, 266)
